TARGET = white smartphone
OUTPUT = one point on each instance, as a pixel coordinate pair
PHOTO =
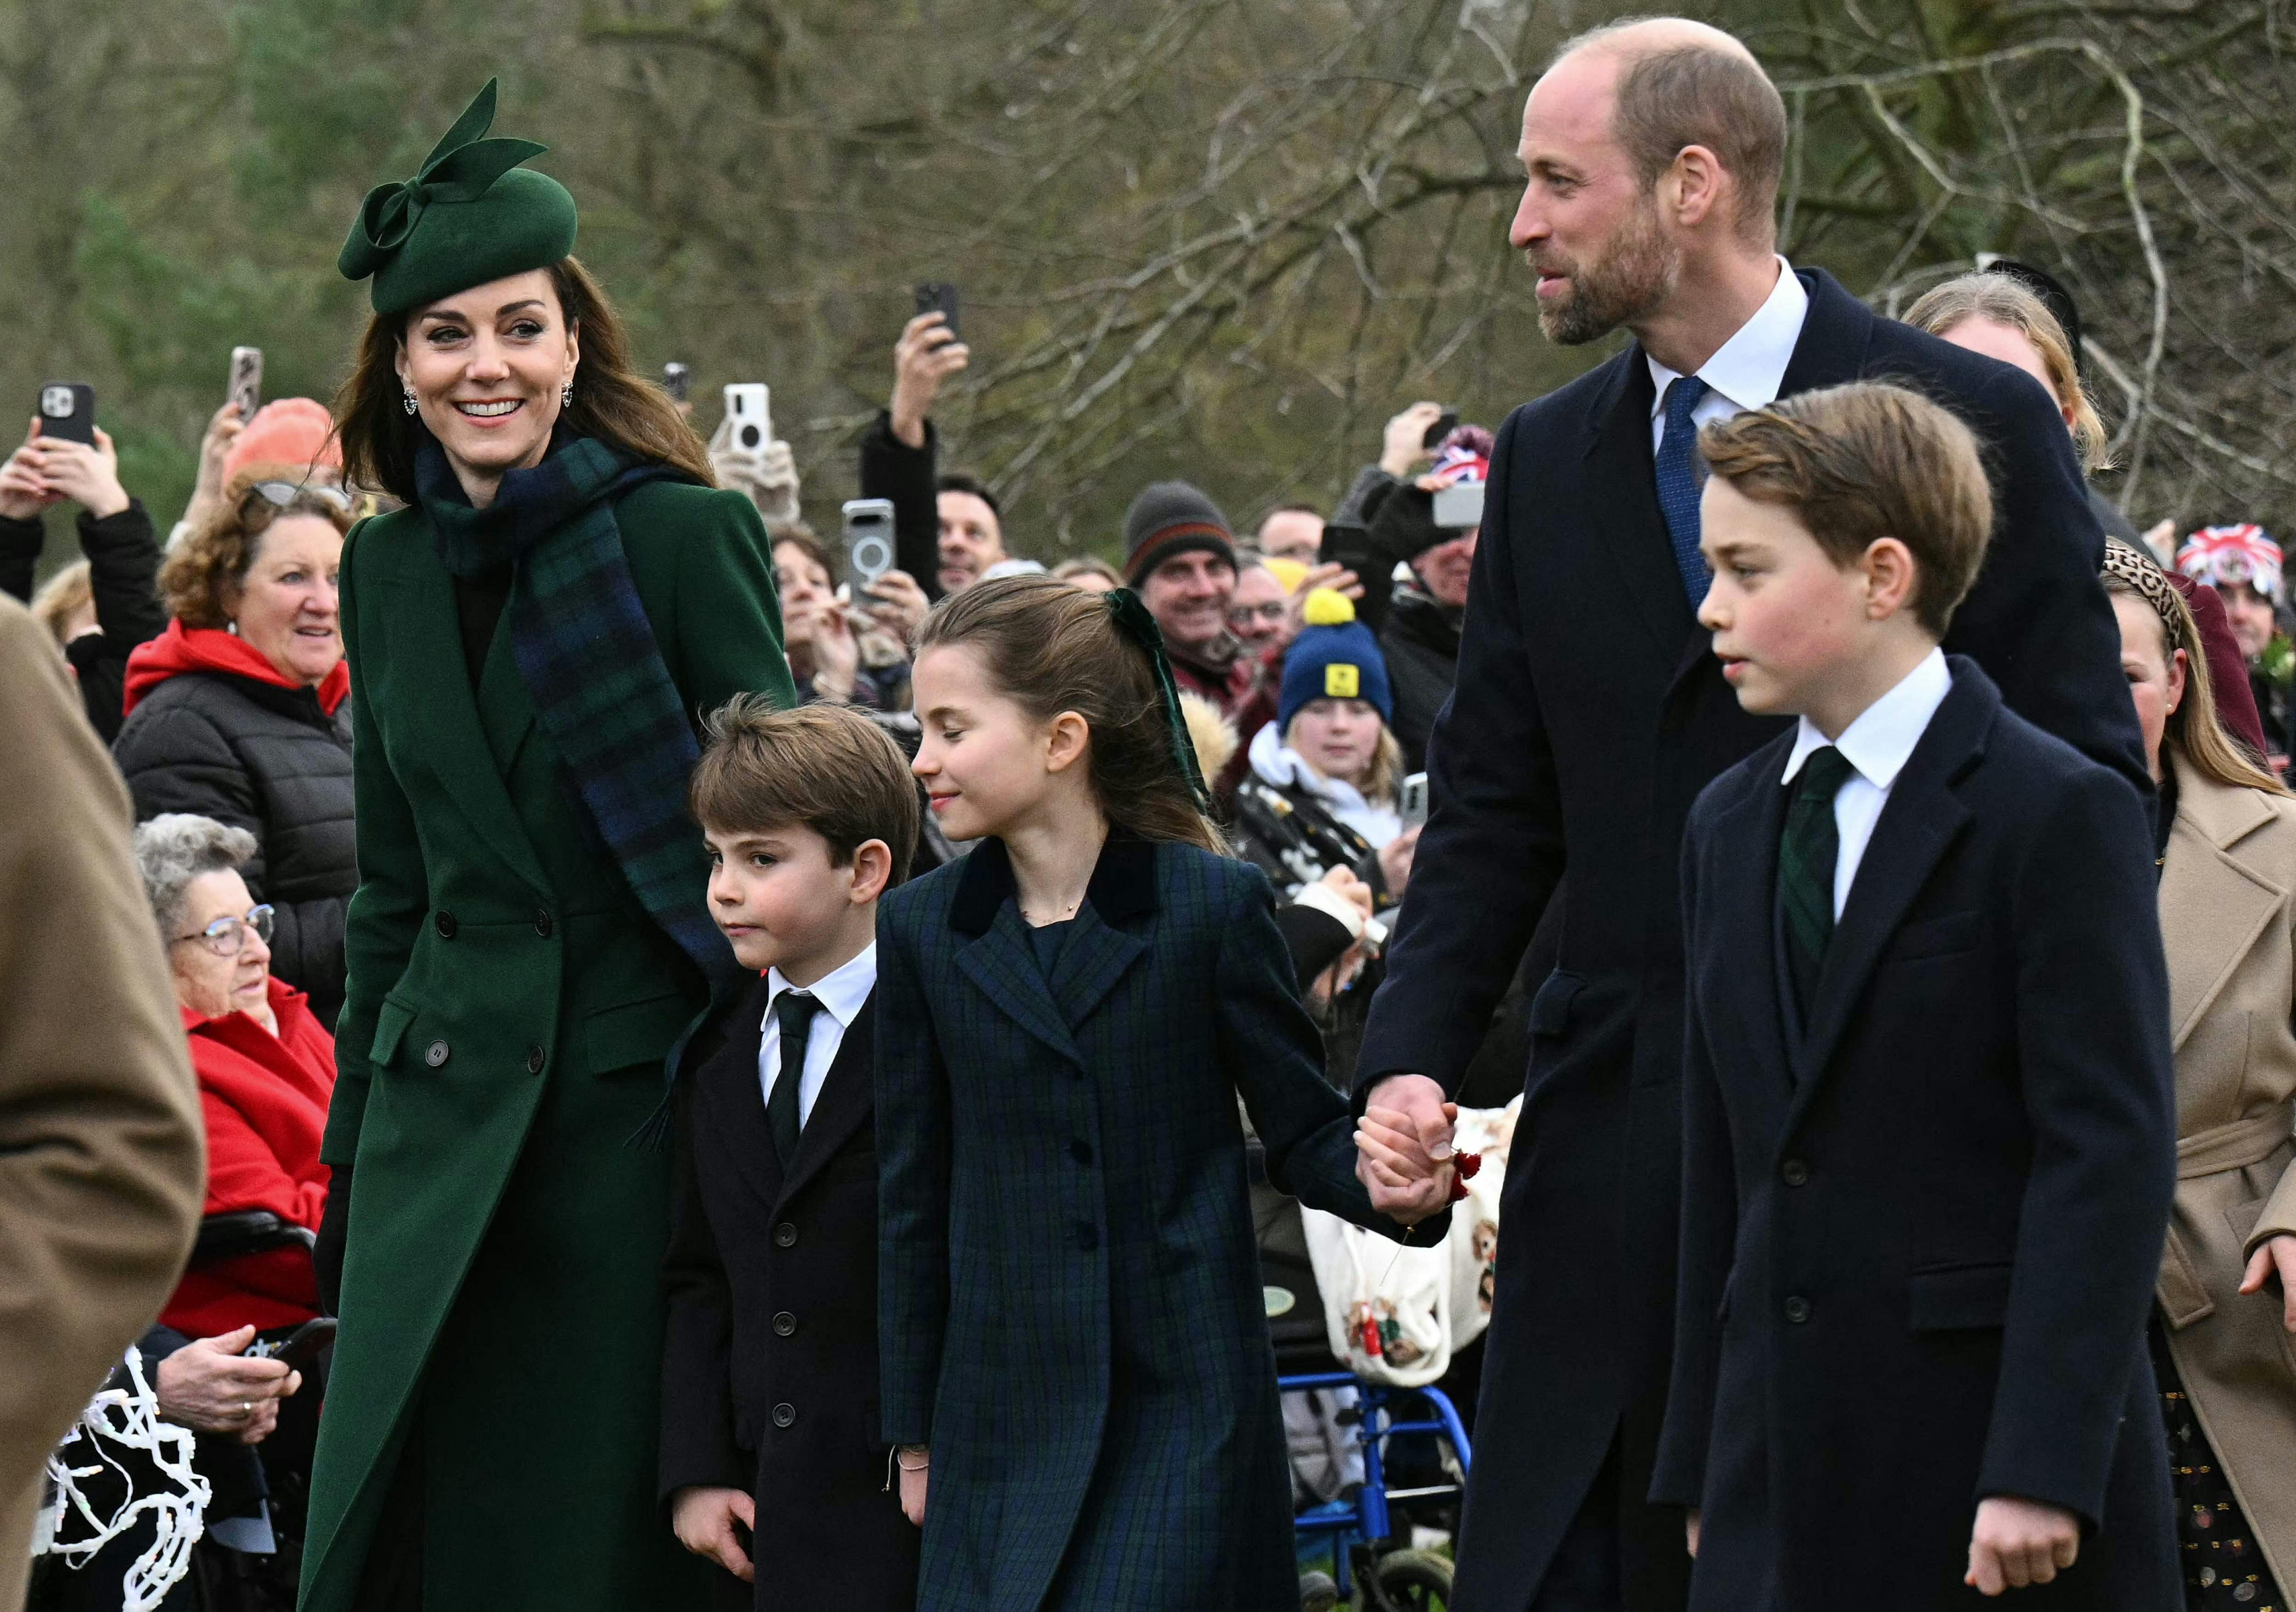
(748, 406)
(1412, 805)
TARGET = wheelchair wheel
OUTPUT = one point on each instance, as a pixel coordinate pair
(1417, 1580)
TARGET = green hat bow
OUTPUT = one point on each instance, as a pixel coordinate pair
(468, 216)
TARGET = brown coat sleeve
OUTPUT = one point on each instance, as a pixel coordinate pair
(101, 1161)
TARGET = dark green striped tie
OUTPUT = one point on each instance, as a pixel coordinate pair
(1807, 853)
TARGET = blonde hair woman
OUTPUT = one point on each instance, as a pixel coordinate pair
(2224, 1341)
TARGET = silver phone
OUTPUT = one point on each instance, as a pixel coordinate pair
(246, 392)
(868, 545)
(1412, 805)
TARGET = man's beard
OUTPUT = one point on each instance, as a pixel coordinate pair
(1633, 276)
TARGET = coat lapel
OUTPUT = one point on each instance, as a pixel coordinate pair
(999, 959)
(1098, 952)
(1836, 332)
(1621, 467)
(846, 1104)
(2213, 905)
(455, 743)
(1921, 817)
(728, 1096)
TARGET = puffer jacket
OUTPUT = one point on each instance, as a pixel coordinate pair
(246, 749)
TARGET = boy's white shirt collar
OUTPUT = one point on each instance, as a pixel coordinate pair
(841, 991)
(1749, 369)
(1881, 741)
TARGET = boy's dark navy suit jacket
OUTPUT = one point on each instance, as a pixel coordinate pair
(769, 1370)
(1920, 1227)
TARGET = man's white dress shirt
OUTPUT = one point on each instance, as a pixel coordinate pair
(1746, 371)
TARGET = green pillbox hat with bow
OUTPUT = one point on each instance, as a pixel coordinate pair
(471, 215)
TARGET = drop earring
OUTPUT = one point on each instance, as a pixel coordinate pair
(406, 399)
(566, 396)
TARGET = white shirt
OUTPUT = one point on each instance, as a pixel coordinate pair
(1877, 745)
(1746, 371)
(842, 992)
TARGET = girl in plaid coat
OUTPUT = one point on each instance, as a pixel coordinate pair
(1075, 1359)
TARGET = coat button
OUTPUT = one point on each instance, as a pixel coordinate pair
(435, 1054)
(786, 1236)
(535, 1061)
(1795, 1172)
(542, 924)
(1087, 1238)
(1081, 1151)
(446, 922)
(785, 1324)
(784, 1414)
(1797, 1309)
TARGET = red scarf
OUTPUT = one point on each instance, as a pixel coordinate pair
(182, 648)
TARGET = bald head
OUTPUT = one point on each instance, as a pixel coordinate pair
(1678, 83)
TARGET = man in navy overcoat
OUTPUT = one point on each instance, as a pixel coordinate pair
(1587, 716)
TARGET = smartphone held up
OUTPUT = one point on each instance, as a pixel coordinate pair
(68, 412)
(246, 393)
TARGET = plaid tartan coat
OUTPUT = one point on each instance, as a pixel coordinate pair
(1068, 1292)
(510, 1006)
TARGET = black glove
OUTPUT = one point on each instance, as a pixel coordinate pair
(327, 1252)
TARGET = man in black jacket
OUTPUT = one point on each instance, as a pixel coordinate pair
(1586, 717)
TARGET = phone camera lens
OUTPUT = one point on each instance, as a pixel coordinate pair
(750, 435)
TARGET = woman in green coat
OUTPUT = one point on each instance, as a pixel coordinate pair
(529, 641)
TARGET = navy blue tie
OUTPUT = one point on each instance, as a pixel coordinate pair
(1677, 483)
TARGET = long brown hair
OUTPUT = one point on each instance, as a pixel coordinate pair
(2194, 735)
(1050, 648)
(612, 401)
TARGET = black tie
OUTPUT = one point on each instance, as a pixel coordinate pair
(795, 1010)
(1807, 853)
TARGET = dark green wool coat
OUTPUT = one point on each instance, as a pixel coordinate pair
(510, 1006)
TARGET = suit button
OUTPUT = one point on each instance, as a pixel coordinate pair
(446, 922)
(784, 1414)
(785, 1324)
(434, 1053)
(1795, 1172)
(1797, 1309)
(534, 1061)
(542, 924)
(1081, 1151)
(786, 1236)
(1087, 1238)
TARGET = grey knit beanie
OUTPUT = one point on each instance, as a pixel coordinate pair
(1172, 517)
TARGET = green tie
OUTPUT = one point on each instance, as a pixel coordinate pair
(1807, 853)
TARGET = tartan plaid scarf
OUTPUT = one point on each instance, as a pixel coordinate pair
(590, 663)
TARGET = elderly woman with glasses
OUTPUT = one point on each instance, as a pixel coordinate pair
(237, 712)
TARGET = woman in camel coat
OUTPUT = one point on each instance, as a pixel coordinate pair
(2225, 1328)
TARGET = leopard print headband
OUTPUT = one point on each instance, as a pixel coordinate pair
(2149, 583)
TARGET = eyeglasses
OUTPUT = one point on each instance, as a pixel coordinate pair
(227, 936)
(1242, 615)
(285, 495)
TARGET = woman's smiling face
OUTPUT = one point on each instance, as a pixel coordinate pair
(487, 367)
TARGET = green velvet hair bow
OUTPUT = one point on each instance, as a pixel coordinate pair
(461, 168)
(1133, 620)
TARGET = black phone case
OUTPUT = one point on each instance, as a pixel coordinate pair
(77, 426)
(939, 296)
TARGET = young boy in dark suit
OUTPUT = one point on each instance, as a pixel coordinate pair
(771, 1464)
(1929, 1136)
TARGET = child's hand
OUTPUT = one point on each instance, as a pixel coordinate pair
(703, 1519)
(2018, 1543)
(1689, 1530)
(2275, 1257)
(913, 1490)
(1403, 1147)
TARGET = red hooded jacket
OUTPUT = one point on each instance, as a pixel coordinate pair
(182, 648)
(265, 1102)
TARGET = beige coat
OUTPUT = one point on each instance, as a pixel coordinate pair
(101, 1168)
(2229, 921)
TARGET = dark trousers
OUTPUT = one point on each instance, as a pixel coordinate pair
(1584, 1576)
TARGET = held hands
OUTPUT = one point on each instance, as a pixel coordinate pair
(2276, 1255)
(1403, 1148)
(704, 1520)
(2018, 1543)
(926, 355)
(209, 1387)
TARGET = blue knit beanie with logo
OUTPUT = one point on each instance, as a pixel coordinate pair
(1334, 658)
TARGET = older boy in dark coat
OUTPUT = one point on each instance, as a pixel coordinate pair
(1929, 1126)
(771, 1462)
